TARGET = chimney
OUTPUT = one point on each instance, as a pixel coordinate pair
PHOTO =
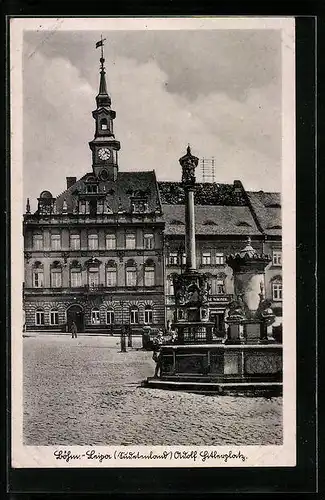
(71, 181)
(238, 187)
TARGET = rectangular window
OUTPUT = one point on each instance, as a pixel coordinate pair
(38, 242)
(75, 242)
(130, 241)
(55, 241)
(173, 259)
(93, 277)
(277, 291)
(149, 276)
(206, 258)
(277, 257)
(93, 241)
(184, 259)
(38, 279)
(56, 278)
(109, 317)
(220, 258)
(39, 318)
(54, 317)
(131, 276)
(110, 241)
(134, 316)
(75, 278)
(110, 277)
(148, 241)
(148, 316)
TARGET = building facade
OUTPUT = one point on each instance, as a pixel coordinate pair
(225, 216)
(103, 252)
(94, 254)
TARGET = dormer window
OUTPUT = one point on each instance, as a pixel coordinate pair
(139, 205)
(92, 188)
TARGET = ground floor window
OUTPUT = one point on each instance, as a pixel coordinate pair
(95, 317)
(39, 317)
(109, 317)
(54, 317)
(148, 314)
(134, 315)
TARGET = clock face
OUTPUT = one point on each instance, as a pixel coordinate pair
(104, 154)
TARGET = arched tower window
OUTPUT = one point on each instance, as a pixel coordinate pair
(103, 124)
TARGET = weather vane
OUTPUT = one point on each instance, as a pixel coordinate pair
(100, 44)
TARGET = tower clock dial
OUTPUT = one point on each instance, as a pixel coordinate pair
(104, 154)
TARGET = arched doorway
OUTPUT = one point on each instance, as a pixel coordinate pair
(75, 313)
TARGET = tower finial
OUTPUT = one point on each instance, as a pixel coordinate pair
(103, 97)
(188, 150)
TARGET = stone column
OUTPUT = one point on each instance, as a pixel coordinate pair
(189, 163)
(190, 230)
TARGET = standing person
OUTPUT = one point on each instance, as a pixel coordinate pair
(74, 330)
(158, 342)
(129, 336)
(123, 344)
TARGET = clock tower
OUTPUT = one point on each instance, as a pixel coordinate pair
(104, 146)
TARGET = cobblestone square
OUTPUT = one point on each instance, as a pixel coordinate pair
(85, 392)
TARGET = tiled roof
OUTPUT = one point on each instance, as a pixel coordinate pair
(172, 193)
(211, 220)
(118, 193)
(267, 207)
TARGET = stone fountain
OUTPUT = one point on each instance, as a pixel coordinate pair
(248, 359)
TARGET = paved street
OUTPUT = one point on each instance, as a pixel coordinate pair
(85, 392)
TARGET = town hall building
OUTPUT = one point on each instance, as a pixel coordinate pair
(103, 252)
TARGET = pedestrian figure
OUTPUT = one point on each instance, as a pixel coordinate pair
(129, 337)
(74, 330)
(123, 344)
(156, 356)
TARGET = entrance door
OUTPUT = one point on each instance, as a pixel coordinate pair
(75, 313)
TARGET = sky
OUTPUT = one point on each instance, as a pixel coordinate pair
(219, 90)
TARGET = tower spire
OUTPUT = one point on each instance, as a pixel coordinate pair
(102, 99)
